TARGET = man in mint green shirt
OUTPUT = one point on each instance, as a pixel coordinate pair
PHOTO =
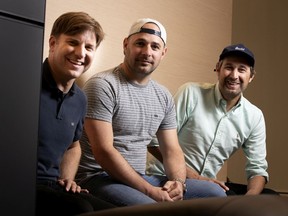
(215, 120)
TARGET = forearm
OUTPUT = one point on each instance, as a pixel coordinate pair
(70, 162)
(155, 151)
(255, 185)
(118, 168)
(172, 154)
(175, 166)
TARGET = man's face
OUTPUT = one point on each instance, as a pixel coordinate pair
(71, 56)
(143, 52)
(234, 75)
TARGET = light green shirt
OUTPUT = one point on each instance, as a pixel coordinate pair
(209, 135)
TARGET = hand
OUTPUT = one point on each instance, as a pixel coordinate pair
(160, 195)
(71, 186)
(220, 183)
(174, 189)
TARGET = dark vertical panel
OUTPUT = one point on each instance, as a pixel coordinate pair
(21, 45)
(30, 9)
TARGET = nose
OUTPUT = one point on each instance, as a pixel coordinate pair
(234, 73)
(80, 51)
(147, 50)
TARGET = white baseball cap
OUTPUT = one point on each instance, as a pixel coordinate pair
(137, 27)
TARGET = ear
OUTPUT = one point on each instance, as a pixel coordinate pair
(125, 43)
(217, 67)
(52, 42)
(164, 52)
(251, 78)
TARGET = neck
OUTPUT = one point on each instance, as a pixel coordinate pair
(133, 77)
(231, 103)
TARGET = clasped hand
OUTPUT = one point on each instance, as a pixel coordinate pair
(171, 191)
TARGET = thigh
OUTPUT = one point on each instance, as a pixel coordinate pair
(201, 189)
(103, 187)
(50, 201)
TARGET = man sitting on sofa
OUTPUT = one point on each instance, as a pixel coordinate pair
(215, 120)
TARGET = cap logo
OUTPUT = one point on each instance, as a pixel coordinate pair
(239, 48)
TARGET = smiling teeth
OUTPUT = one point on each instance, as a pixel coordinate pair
(232, 83)
(76, 62)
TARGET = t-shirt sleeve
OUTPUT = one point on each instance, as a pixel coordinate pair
(100, 98)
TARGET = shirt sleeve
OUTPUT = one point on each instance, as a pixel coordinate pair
(255, 149)
(184, 102)
(100, 98)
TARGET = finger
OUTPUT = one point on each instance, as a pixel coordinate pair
(84, 190)
(225, 187)
(61, 182)
(176, 195)
(78, 189)
(169, 185)
(71, 186)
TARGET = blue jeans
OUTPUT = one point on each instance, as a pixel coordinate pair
(119, 194)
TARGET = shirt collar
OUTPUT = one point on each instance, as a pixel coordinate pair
(48, 79)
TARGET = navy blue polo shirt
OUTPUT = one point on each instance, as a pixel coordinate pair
(60, 123)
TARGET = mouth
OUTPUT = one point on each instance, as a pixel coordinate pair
(75, 62)
(232, 84)
(144, 60)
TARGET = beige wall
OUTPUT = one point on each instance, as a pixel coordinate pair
(197, 32)
(262, 25)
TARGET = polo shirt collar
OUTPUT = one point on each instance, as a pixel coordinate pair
(49, 80)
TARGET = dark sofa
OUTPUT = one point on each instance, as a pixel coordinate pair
(260, 205)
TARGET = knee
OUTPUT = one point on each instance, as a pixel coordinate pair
(215, 190)
(201, 189)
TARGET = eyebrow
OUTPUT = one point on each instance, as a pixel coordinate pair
(144, 40)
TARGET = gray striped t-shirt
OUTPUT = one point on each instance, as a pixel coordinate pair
(135, 111)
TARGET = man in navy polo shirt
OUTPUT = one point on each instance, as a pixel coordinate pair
(73, 42)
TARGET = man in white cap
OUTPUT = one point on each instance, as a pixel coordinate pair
(126, 109)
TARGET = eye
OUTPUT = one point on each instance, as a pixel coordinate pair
(90, 48)
(140, 43)
(155, 46)
(242, 70)
(72, 42)
(228, 67)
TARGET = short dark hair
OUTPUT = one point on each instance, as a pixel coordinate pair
(72, 23)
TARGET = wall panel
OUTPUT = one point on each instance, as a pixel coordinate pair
(261, 24)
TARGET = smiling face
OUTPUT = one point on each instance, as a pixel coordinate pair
(143, 53)
(234, 75)
(70, 56)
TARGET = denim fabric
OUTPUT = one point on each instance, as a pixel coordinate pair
(103, 187)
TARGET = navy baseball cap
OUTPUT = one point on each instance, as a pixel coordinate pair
(238, 50)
